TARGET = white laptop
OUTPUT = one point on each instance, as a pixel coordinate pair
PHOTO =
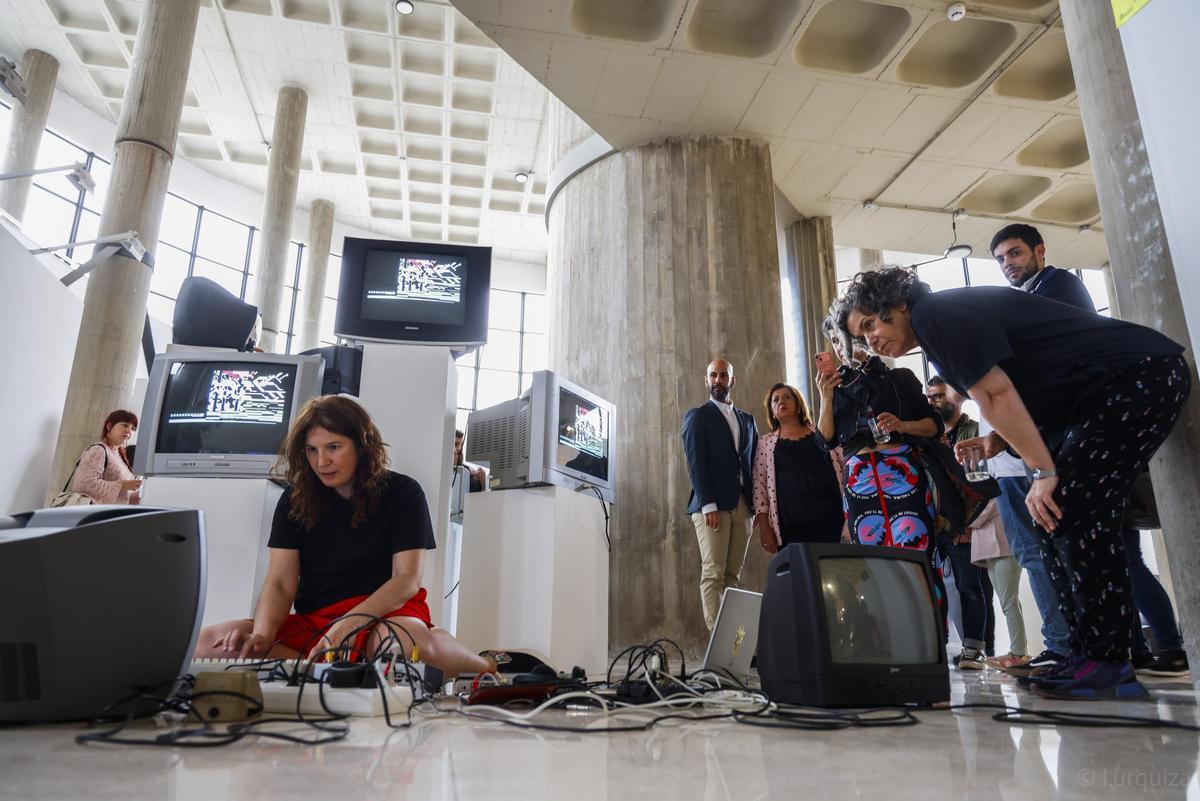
(734, 638)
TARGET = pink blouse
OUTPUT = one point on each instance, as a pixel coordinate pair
(99, 482)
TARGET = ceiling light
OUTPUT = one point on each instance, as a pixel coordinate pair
(959, 214)
(521, 177)
(1085, 229)
(870, 204)
(405, 7)
(10, 80)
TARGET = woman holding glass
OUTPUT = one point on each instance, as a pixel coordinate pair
(877, 414)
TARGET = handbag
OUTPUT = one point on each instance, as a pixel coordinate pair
(958, 501)
(66, 498)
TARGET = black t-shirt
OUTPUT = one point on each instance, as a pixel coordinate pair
(805, 484)
(339, 561)
(1055, 354)
(868, 392)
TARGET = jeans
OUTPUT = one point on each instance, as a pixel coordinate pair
(1151, 600)
(1024, 542)
(969, 583)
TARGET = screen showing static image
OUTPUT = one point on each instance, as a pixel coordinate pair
(225, 407)
(418, 288)
(582, 435)
(878, 611)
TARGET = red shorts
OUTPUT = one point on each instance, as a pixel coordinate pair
(301, 632)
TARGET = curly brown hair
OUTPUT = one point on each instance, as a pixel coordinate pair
(346, 418)
(801, 406)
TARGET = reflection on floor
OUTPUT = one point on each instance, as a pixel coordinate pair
(965, 756)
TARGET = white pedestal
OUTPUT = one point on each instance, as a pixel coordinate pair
(411, 393)
(237, 522)
(534, 575)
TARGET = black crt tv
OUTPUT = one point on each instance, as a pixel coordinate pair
(413, 292)
(219, 413)
(851, 626)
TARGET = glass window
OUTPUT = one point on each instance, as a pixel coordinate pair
(916, 363)
(460, 419)
(985, 272)
(178, 225)
(504, 310)
(289, 270)
(1097, 287)
(48, 218)
(526, 381)
(222, 240)
(160, 308)
(466, 386)
(89, 228)
(495, 387)
(101, 173)
(328, 317)
(535, 313)
(170, 268)
(333, 276)
(944, 274)
(502, 351)
(226, 277)
(54, 151)
(535, 353)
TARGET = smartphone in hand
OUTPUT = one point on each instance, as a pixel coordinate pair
(825, 362)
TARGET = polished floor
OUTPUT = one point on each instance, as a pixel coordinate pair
(960, 755)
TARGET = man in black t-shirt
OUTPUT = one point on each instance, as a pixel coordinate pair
(1021, 253)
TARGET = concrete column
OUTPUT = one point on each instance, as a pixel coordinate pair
(39, 71)
(1142, 270)
(279, 205)
(320, 234)
(815, 286)
(870, 259)
(662, 257)
(110, 333)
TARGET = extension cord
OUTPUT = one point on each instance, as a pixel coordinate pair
(279, 698)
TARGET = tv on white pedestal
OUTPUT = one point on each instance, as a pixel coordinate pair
(534, 575)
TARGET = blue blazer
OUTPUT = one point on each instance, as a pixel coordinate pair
(713, 464)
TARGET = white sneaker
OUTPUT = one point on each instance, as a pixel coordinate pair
(970, 659)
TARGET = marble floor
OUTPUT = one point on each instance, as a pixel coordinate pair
(961, 755)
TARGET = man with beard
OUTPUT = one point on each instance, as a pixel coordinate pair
(978, 627)
(719, 441)
(1021, 253)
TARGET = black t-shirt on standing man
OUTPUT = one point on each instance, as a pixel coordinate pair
(338, 560)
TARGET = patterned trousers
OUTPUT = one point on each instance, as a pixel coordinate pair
(1114, 433)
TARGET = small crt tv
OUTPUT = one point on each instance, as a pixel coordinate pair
(555, 433)
(851, 626)
(413, 292)
(221, 413)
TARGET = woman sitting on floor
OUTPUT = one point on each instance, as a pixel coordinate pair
(347, 544)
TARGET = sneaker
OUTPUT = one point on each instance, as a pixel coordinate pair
(1093, 680)
(970, 659)
(1064, 667)
(1173, 663)
(1007, 661)
(1043, 660)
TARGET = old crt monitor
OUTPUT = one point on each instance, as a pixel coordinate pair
(851, 625)
(413, 292)
(555, 433)
(221, 413)
(97, 603)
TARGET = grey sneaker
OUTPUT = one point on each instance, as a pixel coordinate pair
(970, 659)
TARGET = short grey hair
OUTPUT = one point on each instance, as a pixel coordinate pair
(874, 292)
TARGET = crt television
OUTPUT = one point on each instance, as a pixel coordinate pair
(413, 292)
(555, 433)
(851, 625)
(221, 413)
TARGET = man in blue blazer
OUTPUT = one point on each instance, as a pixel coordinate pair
(718, 442)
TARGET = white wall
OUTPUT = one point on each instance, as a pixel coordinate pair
(1160, 48)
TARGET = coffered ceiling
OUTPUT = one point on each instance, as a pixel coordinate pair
(886, 116)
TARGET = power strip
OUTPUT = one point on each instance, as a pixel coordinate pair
(280, 699)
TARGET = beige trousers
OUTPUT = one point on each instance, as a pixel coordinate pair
(722, 552)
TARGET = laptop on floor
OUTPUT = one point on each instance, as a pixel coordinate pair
(734, 638)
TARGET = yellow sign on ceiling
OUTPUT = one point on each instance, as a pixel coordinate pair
(1124, 9)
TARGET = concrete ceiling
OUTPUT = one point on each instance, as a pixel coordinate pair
(416, 124)
(860, 101)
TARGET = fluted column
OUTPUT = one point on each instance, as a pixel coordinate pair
(39, 71)
(279, 206)
(114, 306)
(662, 257)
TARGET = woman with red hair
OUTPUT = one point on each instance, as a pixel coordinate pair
(104, 472)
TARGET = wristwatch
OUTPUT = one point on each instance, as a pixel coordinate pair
(1040, 473)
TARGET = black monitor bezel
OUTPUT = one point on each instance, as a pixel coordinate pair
(349, 323)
